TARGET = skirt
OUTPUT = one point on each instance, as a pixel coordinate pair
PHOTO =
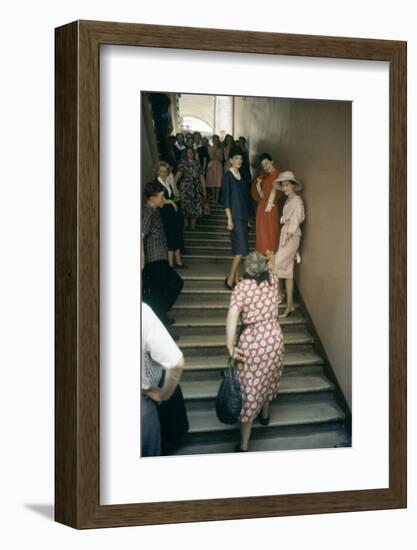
(284, 258)
(214, 174)
(239, 236)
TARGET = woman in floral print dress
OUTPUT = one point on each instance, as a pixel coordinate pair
(260, 347)
(192, 187)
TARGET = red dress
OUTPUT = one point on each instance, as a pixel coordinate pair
(261, 342)
(267, 226)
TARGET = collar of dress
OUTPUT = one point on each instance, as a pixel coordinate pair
(237, 176)
(166, 185)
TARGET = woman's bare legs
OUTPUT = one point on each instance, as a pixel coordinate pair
(245, 431)
(289, 287)
(216, 195)
(265, 409)
(177, 255)
(193, 222)
(171, 258)
(234, 270)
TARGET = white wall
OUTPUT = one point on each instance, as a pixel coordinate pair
(26, 299)
(313, 139)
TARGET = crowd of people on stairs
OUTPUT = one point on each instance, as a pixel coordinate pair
(195, 172)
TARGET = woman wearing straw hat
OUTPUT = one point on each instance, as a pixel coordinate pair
(260, 345)
(292, 217)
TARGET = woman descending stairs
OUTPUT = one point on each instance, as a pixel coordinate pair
(305, 415)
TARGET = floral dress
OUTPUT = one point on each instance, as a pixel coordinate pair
(261, 342)
(191, 189)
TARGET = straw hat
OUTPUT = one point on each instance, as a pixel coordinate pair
(287, 176)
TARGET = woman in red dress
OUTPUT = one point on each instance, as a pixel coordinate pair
(259, 349)
(267, 212)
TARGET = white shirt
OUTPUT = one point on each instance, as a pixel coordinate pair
(157, 342)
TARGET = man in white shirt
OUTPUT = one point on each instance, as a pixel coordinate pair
(158, 345)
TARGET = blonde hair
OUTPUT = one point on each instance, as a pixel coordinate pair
(161, 163)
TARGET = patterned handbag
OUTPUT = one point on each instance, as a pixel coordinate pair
(229, 397)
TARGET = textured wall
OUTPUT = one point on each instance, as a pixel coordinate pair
(149, 148)
(313, 139)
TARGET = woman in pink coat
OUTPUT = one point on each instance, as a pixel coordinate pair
(292, 217)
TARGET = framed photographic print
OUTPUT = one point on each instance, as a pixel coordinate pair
(228, 193)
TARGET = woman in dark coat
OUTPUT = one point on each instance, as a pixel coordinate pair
(235, 201)
(170, 215)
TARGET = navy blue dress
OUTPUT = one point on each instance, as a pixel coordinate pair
(235, 197)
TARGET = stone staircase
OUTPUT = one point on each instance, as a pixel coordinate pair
(305, 414)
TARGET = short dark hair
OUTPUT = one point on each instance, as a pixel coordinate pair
(264, 156)
(242, 138)
(234, 151)
(151, 189)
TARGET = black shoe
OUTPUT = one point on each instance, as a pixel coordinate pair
(238, 449)
(226, 284)
(181, 266)
(263, 421)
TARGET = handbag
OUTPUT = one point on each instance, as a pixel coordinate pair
(229, 397)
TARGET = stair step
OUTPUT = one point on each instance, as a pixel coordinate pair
(213, 257)
(292, 335)
(216, 321)
(213, 232)
(212, 248)
(187, 327)
(206, 297)
(327, 436)
(301, 357)
(212, 240)
(201, 270)
(219, 297)
(290, 384)
(302, 410)
(211, 221)
(211, 310)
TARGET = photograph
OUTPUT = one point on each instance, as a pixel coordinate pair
(230, 274)
(246, 262)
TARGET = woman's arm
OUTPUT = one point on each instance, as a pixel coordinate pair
(203, 183)
(227, 201)
(231, 326)
(178, 176)
(172, 203)
(229, 219)
(271, 201)
(296, 217)
(171, 381)
(256, 190)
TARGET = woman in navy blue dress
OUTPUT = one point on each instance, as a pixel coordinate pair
(235, 201)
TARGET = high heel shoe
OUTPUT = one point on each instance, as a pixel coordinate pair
(226, 284)
(264, 421)
(287, 313)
